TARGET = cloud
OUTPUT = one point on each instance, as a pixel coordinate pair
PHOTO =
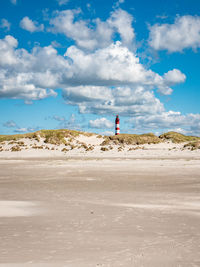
(58, 118)
(35, 75)
(184, 33)
(18, 129)
(14, 2)
(25, 130)
(96, 74)
(106, 78)
(7, 46)
(121, 21)
(168, 121)
(174, 76)
(118, 3)
(107, 100)
(93, 34)
(10, 124)
(70, 123)
(62, 2)
(5, 24)
(95, 81)
(90, 8)
(170, 78)
(101, 123)
(56, 44)
(79, 30)
(22, 75)
(114, 65)
(162, 16)
(32, 26)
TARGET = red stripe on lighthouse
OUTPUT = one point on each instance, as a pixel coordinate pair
(117, 129)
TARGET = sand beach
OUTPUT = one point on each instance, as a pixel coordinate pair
(100, 211)
(71, 199)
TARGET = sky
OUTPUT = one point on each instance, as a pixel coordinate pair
(77, 64)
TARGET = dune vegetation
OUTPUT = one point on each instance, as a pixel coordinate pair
(131, 139)
(178, 138)
(69, 138)
(50, 136)
(193, 145)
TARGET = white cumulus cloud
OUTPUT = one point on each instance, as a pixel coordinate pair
(121, 21)
(108, 100)
(102, 76)
(184, 33)
(114, 65)
(101, 123)
(96, 33)
(32, 26)
(169, 121)
(21, 73)
(174, 76)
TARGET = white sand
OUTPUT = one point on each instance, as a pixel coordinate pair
(17, 208)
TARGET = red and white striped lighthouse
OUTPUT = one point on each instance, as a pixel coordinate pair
(117, 130)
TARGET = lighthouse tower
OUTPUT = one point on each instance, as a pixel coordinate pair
(117, 130)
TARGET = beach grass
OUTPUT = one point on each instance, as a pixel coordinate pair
(193, 145)
(50, 136)
(131, 139)
(178, 137)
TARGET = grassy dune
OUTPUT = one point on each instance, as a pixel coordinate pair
(131, 139)
(193, 145)
(50, 136)
(57, 137)
(178, 138)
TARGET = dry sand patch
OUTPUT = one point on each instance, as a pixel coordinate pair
(100, 213)
(17, 208)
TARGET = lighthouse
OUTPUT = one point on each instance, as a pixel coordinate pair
(117, 130)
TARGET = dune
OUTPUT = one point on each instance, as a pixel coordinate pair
(69, 143)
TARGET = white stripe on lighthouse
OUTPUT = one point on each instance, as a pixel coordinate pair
(117, 130)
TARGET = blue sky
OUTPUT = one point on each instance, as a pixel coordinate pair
(76, 64)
